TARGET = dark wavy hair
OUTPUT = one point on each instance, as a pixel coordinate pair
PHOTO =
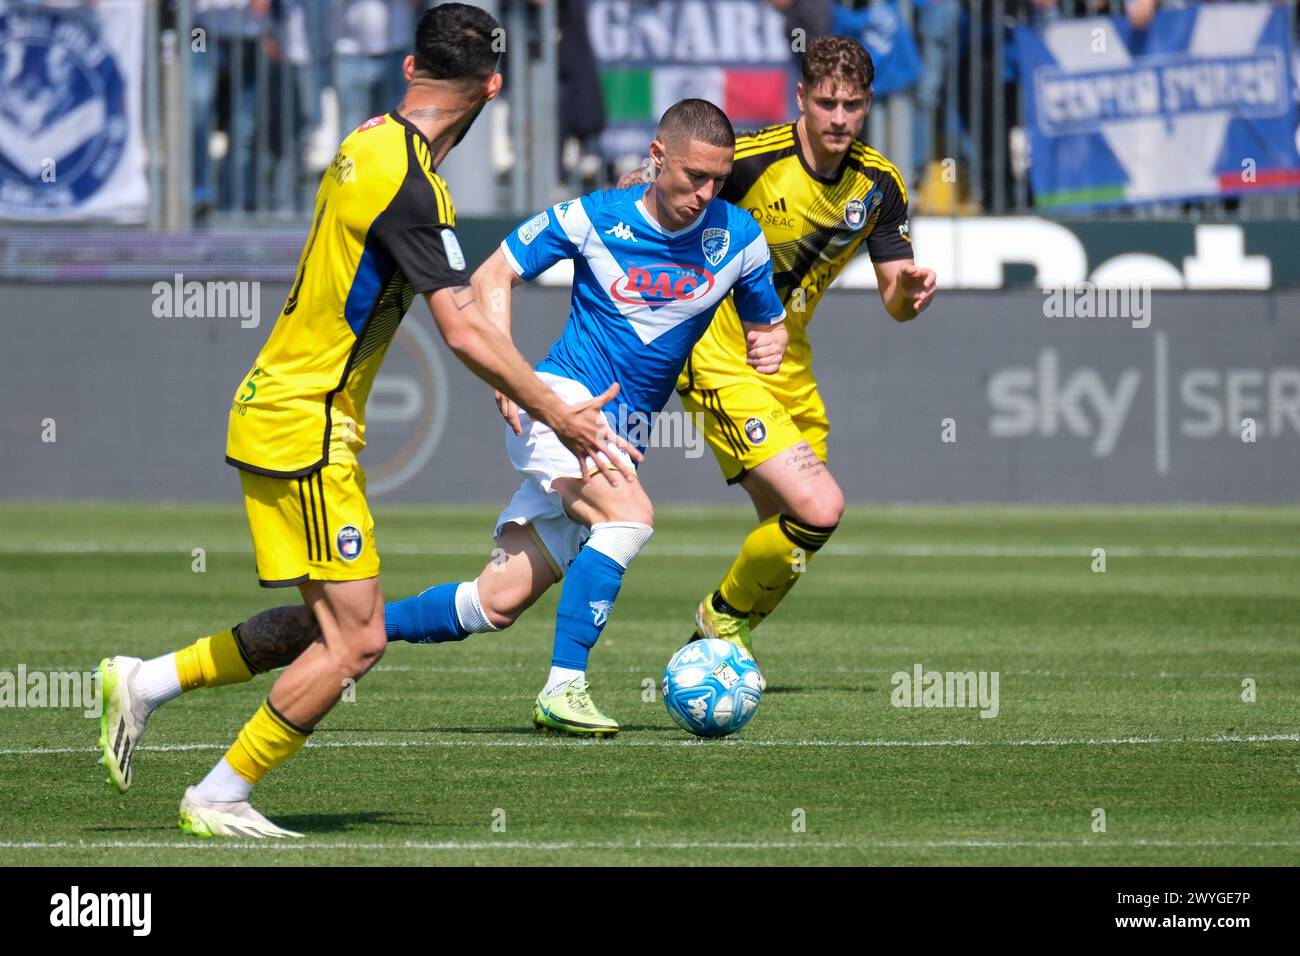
(454, 41)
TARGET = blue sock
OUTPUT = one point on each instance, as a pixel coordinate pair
(428, 618)
(590, 587)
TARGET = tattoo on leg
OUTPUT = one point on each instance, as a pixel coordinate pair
(803, 459)
(275, 637)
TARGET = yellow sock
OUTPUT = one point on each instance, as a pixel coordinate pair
(212, 662)
(266, 741)
(770, 561)
(768, 602)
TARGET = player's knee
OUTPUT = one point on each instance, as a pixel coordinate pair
(822, 509)
(503, 606)
(632, 509)
(621, 541)
(363, 649)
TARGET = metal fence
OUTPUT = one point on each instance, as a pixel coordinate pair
(243, 131)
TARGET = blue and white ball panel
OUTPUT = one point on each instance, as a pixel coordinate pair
(711, 688)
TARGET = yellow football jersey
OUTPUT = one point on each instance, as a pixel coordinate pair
(813, 225)
(381, 233)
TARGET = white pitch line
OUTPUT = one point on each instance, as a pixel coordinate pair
(741, 742)
(634, 669)
(703, 551)
(457, 845)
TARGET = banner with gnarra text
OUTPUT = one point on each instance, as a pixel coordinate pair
(1198, 105)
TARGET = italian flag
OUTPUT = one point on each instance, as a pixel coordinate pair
(747, 96)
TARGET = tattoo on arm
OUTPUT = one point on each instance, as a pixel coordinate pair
(275, 637)
(462, 296)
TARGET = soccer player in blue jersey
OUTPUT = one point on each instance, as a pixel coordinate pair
(651, 265)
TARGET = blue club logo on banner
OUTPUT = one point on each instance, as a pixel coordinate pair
(1198, 105)
(63, 111)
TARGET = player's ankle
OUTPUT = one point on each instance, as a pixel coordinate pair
(722, 606)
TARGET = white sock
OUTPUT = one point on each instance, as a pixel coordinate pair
(223, 785)
(560, 678)
(156, 681)
(469, 609)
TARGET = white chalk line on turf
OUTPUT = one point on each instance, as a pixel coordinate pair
(704, 551)
(274, 846)
(634, 669)
(603, 744)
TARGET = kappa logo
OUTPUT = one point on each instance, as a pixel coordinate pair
(600, 611)
(621, 231)
(715, 243)
(349, 542)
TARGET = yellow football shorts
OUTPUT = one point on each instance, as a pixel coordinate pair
(314, 528)
(748, 422)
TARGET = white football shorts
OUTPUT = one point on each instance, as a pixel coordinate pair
(539, 456)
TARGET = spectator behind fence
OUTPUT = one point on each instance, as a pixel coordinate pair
(582, 102)
(224, 99)
(370, 45)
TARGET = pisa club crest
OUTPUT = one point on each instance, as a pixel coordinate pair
(63, 110)
(855, 214)
(349, 542)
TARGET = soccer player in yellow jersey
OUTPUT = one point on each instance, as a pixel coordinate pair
(382, 233)
(819, 193)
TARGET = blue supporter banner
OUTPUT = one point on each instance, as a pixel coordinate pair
(887, 37)
(1199, 105)
(71, 134)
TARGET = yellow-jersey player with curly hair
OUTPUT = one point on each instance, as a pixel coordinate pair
(819, 192)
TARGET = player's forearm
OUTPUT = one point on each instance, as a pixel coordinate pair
(897, 303)
(492, 283)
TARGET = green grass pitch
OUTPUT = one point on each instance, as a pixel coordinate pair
(1119, 691)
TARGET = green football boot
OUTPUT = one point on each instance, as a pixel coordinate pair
(572, 711)
(710, 622)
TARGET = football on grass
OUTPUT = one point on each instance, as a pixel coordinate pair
(712, 688)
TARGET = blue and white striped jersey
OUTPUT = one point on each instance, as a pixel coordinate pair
(642, 296)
